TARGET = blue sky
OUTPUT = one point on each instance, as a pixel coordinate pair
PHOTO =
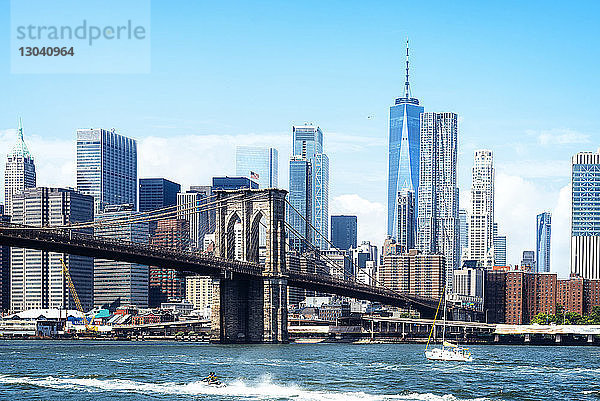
(522, 77)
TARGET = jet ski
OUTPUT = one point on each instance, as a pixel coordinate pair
(213, 382)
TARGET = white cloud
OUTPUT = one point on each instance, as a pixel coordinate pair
(560, 137)
(371, 216)
(536, 168)
(517, 203)
(195, 159)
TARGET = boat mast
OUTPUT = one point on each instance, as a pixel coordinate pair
(444, 312)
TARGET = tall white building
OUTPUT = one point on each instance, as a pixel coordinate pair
(107, 167)
(585, 215)
(37, 279)
(481, 223)
(122, 281)
(20, 170)
(437, 221)
(190, 207)
(463, 230)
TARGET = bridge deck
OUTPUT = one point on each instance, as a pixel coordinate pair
(77, 243)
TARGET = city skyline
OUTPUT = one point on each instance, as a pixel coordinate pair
(532, 149)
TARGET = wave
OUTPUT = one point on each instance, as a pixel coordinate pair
(265, 389)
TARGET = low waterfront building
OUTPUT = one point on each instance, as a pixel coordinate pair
(516, 296)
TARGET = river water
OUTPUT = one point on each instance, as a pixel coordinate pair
(73, 370)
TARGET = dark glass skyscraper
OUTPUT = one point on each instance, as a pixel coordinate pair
(404, 150)
(343, 232)
(157, 193)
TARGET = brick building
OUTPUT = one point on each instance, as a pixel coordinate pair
(412, 272)
(516, 296)
(569, 295)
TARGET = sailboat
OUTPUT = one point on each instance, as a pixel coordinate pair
(448, 351)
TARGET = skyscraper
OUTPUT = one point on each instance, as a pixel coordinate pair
(308, 143)
(406, 219)
(190, 207)
(258, 164)
(499, 248)
(122, 281)
(37, 279)
(20, 170)
(4, 269)
(528, 261)
(403, 152)
(585, 215)
(167, 283)
(437, 222)
(299, 215)
(542, 242)
(463, 230)
(157, 193)
(107, 167)
(343, 232)
(481, 224)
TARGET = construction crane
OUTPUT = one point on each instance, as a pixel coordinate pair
(71, 286)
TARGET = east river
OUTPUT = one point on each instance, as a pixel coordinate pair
(74, 370)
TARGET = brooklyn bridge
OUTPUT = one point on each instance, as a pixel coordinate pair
(249, 301)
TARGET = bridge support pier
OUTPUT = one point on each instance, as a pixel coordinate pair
(249, 311)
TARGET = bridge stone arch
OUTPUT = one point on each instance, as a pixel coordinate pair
(250, 309)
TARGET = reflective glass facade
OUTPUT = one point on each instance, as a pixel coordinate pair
(259, 164)
(542, 242)
(343, 232)
(585, 215)
(157, 193)
(307, 143)
(300, 197)
(107, 167)
(403, 156)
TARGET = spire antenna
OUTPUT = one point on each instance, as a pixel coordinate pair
(407, 84)
(20, 129)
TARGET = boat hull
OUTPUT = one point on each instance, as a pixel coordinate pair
(441, 354)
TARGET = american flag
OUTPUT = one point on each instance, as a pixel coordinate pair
(253, 175)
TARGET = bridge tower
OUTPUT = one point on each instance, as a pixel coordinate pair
(250, 309)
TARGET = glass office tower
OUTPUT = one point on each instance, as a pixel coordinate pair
(300, 197)
(157, 193)
(542, 242)
(107, 167)
(585, 215)
(307, 143)
(403, 152)
(343, 232)
(258, 164)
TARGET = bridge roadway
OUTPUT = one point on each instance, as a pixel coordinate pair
(77, 243)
